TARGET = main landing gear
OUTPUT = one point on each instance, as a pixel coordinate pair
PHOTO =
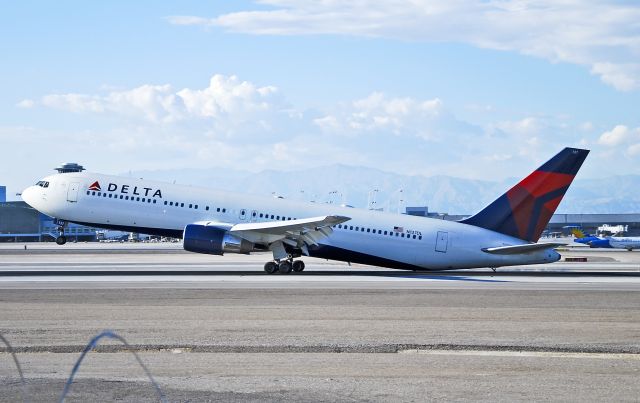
(285, 266)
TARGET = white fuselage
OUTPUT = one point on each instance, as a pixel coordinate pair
(373, 237)
(628, 243)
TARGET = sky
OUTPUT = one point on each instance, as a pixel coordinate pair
(472, 89)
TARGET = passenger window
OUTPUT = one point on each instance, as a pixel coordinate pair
(154, 201)
(93, 193)
(351, 228)
(419, 237)
(137, 199)
(110, 195)
(126, 197)
(181, 204)
(272, 216)
(104, 195)
(99, 194)
(224, 210)
(165, 202)
(195, 207)
(207, 208)
(143, 200)
(357, 228)
(385, 233)
(402, 235)
(254, 214)
(368, 229)
(260, 215)
(362, 229)
(190, 205)
(121, 197)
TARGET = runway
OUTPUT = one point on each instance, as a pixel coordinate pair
(219, 328)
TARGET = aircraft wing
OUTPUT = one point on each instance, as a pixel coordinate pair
(297, 233)
(524, 248)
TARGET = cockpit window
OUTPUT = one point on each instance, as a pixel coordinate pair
(43, 184)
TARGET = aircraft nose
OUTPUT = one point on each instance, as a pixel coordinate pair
(28, 195)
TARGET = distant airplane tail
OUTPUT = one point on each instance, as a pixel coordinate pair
(578, 233)
(525, 210)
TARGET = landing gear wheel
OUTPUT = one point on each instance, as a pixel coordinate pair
(285, 267)
(61, 240)
(270, 267)
(298, 266)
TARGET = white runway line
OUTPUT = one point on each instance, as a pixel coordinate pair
(527, 354)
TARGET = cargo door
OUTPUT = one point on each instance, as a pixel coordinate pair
(442, 241)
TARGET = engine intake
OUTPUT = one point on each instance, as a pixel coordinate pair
(213, 240)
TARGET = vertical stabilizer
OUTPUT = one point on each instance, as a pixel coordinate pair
(525, 210)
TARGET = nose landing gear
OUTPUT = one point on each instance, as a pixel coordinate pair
(60, 239)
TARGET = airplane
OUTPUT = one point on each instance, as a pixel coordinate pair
(591, 240)
(216, 222)
(615, 242)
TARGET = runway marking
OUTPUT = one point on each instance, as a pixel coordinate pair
(527, 354)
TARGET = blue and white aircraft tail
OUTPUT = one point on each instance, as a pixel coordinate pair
(216, 222)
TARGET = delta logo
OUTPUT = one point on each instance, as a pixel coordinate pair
(95, 186)
(127, 189)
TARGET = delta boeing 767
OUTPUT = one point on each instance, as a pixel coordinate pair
(216, 222)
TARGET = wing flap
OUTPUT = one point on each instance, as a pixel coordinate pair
(308, 230)
(524, 248)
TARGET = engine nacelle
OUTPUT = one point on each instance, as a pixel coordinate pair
(213, 240)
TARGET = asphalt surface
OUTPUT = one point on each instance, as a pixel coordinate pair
(220, 329)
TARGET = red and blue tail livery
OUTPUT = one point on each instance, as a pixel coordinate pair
(525, 210)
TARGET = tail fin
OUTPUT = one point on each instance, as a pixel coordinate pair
(578, 233)
(525, 210)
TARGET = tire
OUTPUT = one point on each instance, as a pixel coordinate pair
(285, 267)
(270, 267)
(298, 266)
(61, 240)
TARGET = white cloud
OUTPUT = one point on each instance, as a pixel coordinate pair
(615, 136)
(237, 124)
(600, 35)
(528, 126)
(26, 103)
(378, 113)
(227, 105)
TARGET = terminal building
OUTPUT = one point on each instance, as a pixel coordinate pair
(19, 222)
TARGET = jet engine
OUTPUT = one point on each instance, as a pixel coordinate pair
(213, 240)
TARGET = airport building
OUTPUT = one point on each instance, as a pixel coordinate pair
(21, 223)
(3, 194)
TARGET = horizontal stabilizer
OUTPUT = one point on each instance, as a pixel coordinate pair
(524, 248)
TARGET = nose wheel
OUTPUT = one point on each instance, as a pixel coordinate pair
(60, 239)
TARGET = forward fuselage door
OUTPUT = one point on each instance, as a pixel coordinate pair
(72, 192)
(442, 241)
